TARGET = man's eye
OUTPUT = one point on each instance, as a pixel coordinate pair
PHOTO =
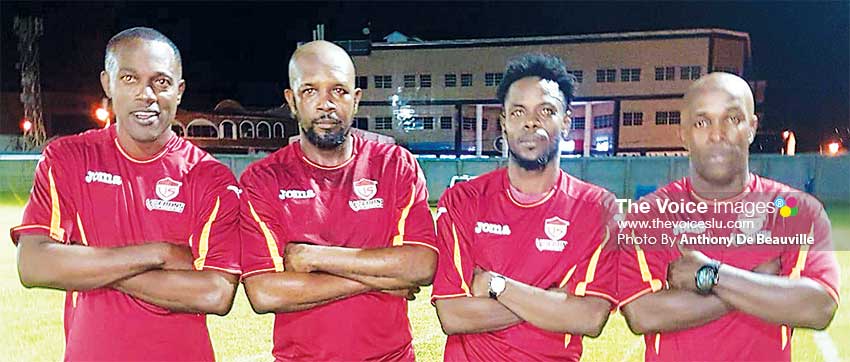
(128, 78)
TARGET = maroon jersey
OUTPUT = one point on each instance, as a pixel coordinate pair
(562, 240)
(88, 191)
(744, 232)
(375, 199)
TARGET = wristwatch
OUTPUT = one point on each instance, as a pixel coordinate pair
(707, 276)
(497, 285)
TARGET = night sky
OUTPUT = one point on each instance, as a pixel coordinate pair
(240, 51)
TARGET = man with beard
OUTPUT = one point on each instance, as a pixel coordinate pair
(525, 265)
(722, 303)
(138, 225)
(336, 229)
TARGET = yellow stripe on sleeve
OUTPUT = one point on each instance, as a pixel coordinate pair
(270, 241)
(591, 266)
(795, 274)
(458, 265)
(56, 231)
(204, 239)
(398, 240)
(645, 274)
(82, 231)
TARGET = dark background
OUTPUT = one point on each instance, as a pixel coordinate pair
(240, 50)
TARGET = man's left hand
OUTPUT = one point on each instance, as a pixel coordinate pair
(681, 273)
(296, 258)
(481, 283)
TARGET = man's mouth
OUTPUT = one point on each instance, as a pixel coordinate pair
(145, 117)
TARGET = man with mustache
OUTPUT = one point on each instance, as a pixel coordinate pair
(138, 225)
(336, 229)
(726, 303)
(525, 265)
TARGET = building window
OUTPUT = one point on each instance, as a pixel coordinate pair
(410, 81)
(469, 124)
(466, 80)
(278, 130)
(446, 122)
(492, 79)
(603, 121)
(361, 122)
(630, 74)
(668, 117)
(383, 123)
(228, 129)
(451, 80)
(674, 117)
(246, 130)
(606, 75)
(632, 118)
(424, 122)
(361, 82)
(383, 81)
(264, 130)
(690, 72)
(578, 74)
(425, 80)
(665, 73)
(578, 123)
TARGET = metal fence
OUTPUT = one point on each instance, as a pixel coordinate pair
(828, 178)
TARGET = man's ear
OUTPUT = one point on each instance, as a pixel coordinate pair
(358, 93)
(754, 126)
(681, 133)
(290, 101)
(104, 82)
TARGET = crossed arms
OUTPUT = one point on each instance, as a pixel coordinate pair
(316, 275)
(160, 273)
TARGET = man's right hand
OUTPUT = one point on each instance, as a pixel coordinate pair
(409, 294)
(176, 257)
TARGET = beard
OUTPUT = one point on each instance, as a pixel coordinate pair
(538, 163)
(331, 139)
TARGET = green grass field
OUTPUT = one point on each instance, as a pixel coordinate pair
(31, 320)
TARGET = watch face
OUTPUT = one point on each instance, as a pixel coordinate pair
(498, 284)
(705, 278)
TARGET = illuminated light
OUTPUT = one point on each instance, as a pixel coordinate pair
(102, 114)
(568, 146)
(785, 134)
(26, 125)
(603, 144)
(790, 144)
(833, 148)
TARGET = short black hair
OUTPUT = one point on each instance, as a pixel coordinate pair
(138, 33)
(541, 65)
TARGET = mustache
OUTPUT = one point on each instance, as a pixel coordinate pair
(327, 117)
(539, 134)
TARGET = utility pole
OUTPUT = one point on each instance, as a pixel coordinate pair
(29, 30)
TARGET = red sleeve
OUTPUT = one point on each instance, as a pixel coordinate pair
(454, 235)
(596, 273)
(642, 267)
(215, 233)
(416, 225)
(262, 233)
(50, 210)
(816, 261)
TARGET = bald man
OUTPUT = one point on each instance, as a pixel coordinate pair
(337, 232)
(728, 281)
